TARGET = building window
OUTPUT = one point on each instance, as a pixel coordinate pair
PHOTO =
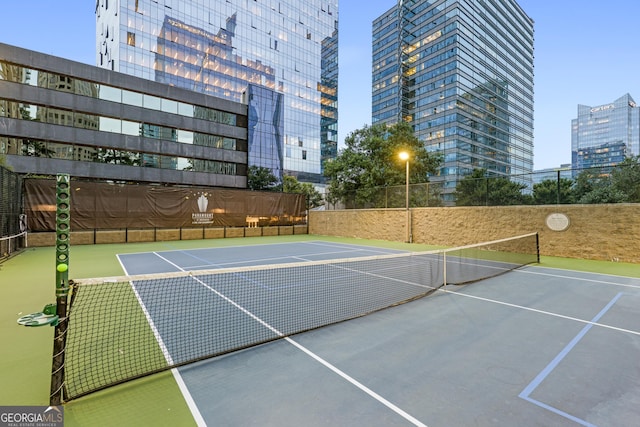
(304, 154)
(131, 39)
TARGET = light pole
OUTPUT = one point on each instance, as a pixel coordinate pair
(405, 156)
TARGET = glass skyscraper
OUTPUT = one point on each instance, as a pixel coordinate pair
(604, 135)
(461, 73)
(279, 58)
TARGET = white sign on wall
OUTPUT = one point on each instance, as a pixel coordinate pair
(557, 221)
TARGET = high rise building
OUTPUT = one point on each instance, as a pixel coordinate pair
(604, 135)
(279, 58)
(461, 73)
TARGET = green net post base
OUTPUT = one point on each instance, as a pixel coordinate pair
(46, 317)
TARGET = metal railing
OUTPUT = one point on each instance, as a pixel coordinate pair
(606, 184)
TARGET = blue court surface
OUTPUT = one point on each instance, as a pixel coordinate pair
(532, 347)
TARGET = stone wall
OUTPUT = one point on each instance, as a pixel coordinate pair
(599, 232)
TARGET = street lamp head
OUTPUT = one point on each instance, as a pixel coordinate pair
(403, 155)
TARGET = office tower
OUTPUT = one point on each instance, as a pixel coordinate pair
(604, 135)
(280, 58)
(461, 73)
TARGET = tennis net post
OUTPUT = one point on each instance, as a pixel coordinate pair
(56, 396)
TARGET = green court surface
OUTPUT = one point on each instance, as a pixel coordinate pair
(27, 282)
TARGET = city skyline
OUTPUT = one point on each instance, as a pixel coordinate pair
(583, 55)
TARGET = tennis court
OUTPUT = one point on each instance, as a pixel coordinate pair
(534, 346)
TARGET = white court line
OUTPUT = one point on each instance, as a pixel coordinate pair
(168, 261)
(194, 408)
(507, 304)
(526, 393)
(367, 390)
(359, 247)
(342, 374)
(535, 310)
(261, 260)
(191, 404)
(252, 262)
(549, 313)
(408, 417)
(560, 276)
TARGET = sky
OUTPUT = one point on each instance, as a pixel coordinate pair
(585, 53)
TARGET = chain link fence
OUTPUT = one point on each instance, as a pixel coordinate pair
(394, 196)
(606, 184)
(12, 219)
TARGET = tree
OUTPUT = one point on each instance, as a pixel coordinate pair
(603, 192)
(504, 192)
(472, 189)
(33, 147)
(584, 183)
(626, 179)
(261, 178)
(292, 185)
(370, 161)
(116, 157)
(546, 192)
(478, 189)
(620, 186)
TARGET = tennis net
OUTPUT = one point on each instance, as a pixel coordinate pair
(123, 328)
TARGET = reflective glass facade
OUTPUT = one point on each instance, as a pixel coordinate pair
(461, 72)
(265, 129)
(59, 115)
(239, 50)
(604, 135)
